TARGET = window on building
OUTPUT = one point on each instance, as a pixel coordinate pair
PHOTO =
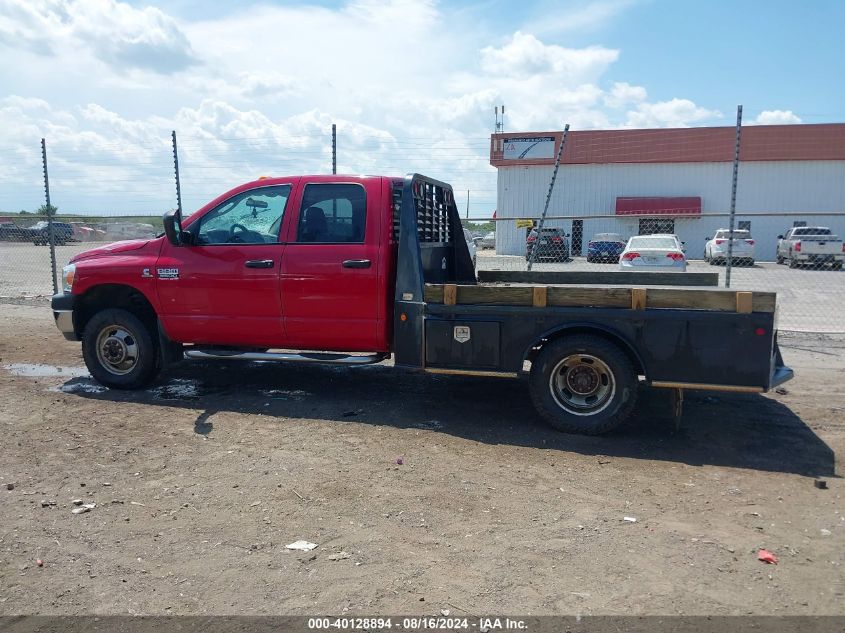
(744, 225)
(577, 236)
(649, 226)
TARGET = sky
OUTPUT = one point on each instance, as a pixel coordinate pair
(252, 89)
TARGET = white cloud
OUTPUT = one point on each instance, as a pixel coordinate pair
(775, 117)
(673, 113)
(622, 94)
(525, 56)
(116, 33)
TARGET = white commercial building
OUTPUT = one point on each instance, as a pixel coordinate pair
(671, 181)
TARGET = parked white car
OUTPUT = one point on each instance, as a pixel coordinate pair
(489, 240)
(716, 248)
(644, 252)
(471, 245)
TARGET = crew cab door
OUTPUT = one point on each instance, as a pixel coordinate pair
(330, 268)
(223, 288)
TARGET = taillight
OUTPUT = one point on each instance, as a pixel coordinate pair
(631, 255)
(750, 242)
(678, 257)
(720, 242)
(843, 247)
(557, 239)
(531, 238)
(797, 247)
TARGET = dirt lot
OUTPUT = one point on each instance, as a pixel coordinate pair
(201, 481)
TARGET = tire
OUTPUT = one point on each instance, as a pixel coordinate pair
(119, 334)
(779, 259)
(596, 363)
(837, 265)
(793, 263)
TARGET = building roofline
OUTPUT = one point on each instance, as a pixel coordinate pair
(811, 141)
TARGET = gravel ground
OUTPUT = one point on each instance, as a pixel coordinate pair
(202, 480)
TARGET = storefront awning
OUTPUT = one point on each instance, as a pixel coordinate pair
(659, 206)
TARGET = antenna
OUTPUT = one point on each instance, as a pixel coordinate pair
(500, 122)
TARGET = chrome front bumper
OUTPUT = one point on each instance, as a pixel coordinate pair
(62, 305)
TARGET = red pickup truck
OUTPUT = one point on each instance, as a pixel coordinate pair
(347, 269)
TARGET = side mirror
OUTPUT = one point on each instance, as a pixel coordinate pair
(707, 238)
(172, 228)
(780, 237)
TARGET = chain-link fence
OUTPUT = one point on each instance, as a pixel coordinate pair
(811, 295)
(26, 247)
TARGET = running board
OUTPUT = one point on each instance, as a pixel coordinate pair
(291, 357)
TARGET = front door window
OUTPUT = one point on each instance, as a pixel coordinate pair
(250, 217)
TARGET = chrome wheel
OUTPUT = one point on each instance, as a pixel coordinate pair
(582, 384)
(117, 349)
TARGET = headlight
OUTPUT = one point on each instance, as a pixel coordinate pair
(68, 273)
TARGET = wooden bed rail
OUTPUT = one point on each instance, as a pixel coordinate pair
(633, 298)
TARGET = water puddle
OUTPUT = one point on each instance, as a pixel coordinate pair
(80, 386)
(177, 389)
(286, 394)
(33, 370)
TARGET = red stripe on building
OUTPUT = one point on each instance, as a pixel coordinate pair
(659, 206)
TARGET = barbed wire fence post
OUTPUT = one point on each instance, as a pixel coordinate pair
(732, 221)
(542, 220)
(178, 183)
(51, 238)
(334, 149)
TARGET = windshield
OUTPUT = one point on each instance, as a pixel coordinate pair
(737, 234)
(645, 241)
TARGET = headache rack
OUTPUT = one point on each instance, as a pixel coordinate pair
(432, 248)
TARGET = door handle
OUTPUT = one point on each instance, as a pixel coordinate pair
(259, 263)
(357, 263)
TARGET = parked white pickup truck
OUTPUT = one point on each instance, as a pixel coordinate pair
(816, 245)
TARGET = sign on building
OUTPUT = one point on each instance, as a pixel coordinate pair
(528, 147)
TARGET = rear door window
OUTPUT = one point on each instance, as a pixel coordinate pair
(332, 213)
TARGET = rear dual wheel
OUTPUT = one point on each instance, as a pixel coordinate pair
(583, 384)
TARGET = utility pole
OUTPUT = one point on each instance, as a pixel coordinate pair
(729, 262)
(50, 230)
(467, 204)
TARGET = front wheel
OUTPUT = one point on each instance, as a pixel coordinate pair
(119, 350)
(583, 384)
